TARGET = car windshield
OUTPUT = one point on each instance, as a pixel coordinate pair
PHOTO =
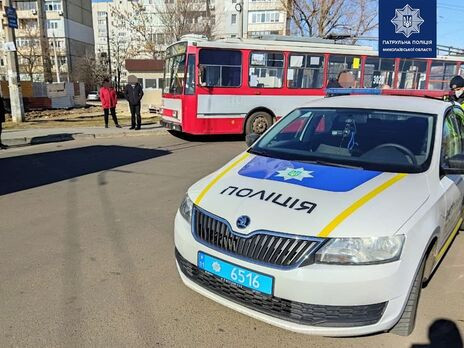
(370, 139)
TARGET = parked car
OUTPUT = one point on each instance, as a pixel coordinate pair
(333, 221)
(93, 96)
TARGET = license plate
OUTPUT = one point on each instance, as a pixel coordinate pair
(236, 274)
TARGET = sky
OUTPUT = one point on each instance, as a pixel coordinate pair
(450, 24)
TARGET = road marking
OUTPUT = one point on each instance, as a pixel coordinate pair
(358, 204)
(448, 241)
(219, 176)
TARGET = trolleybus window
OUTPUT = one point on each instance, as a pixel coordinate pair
(220, 68)
(266, 70)
(190, 80)
(379, 72)
(174, 68)
(412, 74)
(441, 74)
(305, 71)
(337, 64)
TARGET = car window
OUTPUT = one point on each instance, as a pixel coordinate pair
(452, 136)
(381, 140)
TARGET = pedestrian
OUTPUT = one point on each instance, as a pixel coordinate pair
(457, 89)
(2, 119)
(134, 93)
(109, 100)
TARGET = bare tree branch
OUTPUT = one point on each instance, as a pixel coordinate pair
(321, 18)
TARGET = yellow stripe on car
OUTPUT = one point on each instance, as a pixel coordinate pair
(448, 241)
(358, 204)
(219, 176)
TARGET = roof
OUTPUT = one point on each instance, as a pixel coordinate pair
(144, 65)
(384, 102)
(293, 46)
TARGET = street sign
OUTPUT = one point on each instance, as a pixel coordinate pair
(408, 28)
(12, 17)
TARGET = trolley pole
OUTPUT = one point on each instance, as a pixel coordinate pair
(16, 98)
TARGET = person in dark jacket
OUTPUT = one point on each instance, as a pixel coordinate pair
(457, 90)
(2, 119)
(134, 93)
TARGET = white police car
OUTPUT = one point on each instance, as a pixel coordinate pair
(332, 222)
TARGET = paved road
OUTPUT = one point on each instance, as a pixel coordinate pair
(86, 253)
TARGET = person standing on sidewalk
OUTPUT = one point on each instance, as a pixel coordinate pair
(134, 93)
(109, 100)
(2, 119)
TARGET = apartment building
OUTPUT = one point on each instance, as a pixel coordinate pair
(259, 17)
(52, 39)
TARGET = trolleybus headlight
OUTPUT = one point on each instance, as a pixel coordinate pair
(361, 251)
(186, 208)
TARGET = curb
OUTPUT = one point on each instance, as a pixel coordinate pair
(54, 138)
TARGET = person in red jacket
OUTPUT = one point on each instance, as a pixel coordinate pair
(109, 100)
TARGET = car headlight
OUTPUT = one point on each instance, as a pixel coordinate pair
(361, 251)
(186, 208)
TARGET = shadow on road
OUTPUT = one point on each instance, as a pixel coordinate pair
(443, 333)
(29, 171)
(208, 138)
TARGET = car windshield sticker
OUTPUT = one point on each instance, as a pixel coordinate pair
(314, 176)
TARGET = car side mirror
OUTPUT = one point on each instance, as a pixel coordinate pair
(454, 165)
(251, 138)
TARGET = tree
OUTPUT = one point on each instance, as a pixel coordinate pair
(167, 22)
(90, 71)
(29, 52)
(322, 18)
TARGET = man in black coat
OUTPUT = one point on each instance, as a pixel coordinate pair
(2, 119)
(134, 93)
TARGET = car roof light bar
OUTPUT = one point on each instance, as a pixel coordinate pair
(348, 91)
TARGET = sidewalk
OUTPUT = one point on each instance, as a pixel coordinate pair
(21, 137)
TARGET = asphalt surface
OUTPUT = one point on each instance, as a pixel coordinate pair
(87, 254)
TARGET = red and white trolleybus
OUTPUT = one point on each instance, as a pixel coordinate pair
(234, 86)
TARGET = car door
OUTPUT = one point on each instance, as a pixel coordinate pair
(453, 185)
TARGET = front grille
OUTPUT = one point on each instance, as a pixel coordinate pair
(301, 313)
(266, 248)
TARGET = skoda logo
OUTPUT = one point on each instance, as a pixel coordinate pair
(243, 221)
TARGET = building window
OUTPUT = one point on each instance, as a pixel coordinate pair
(102, 22)
(305, 71)
(220, 68)
(53, 5)
(263, 33)
(266, 70)
(264, 17)
(52, 24)
(101, 14)
(150, 83)
(2, 62)
(233, 19)
(25, 5)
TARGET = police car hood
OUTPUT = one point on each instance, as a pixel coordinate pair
(309, 199)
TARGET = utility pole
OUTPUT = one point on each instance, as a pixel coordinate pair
(239, 9)
(16, 98)
(108, 45)
(57, 64)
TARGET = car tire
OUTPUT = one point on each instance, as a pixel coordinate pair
(258, 123)
(405, 326)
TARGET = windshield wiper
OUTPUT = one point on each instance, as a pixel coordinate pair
(260, 152)
(331, 164)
